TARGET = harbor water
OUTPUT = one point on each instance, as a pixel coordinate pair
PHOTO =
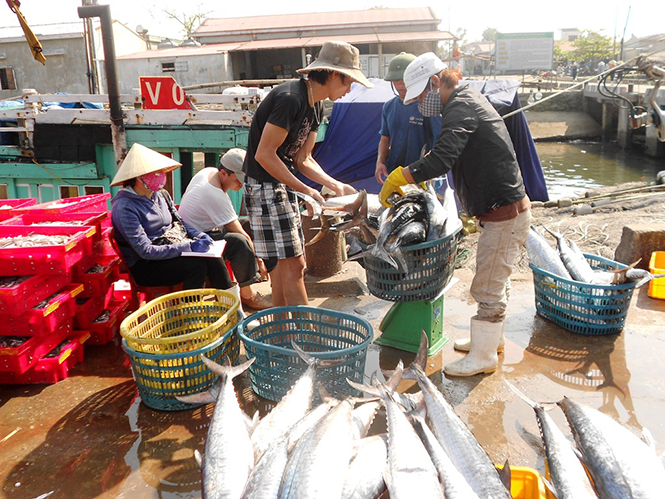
(571, 168)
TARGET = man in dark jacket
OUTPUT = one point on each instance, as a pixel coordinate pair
(474, 144)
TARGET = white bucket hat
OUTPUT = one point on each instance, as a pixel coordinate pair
(141, 160)
(417, 74)
(232, 160)
(341, 57)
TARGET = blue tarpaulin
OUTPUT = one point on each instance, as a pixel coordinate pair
(349, 150)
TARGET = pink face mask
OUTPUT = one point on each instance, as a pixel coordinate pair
(154, 181)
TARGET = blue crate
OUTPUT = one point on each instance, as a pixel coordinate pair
(590, 309)
(430, 267)
(160, 377)
(322, 333)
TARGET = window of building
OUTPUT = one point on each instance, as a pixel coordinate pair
(68, 191)
(93, 189)
(7, 79)
(4, 191)
(168, 67)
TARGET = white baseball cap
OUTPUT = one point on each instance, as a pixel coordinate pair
(232, 160)
(417, 74)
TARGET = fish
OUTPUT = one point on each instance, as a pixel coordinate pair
(266, 477)
(436, 214)
(228, 458)
(641, 276)
(454, 484)
(543, 256)
(293, 406)
(568, 477)
(364, 477)
(453, 222)
(410, 467)
(455, 438)
(318, 463)
(621, 464)
(575, 262)
(361, 212)
(312, 203)
(408, 209)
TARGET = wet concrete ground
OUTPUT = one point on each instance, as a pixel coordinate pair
(90, 436)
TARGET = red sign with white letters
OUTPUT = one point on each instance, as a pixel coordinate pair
(162, 92)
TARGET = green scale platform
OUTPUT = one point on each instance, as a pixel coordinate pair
(418, 294)
(401, 326)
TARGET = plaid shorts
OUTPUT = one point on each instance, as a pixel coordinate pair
(274, 217)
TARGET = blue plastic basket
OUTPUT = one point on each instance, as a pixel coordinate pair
(322, 333)
(430, 267)
(583, 308)
(160, 377)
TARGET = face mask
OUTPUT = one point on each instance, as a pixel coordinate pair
(154, 181)
(431, 104)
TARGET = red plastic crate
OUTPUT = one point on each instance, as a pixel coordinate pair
(88, 309)
(93, 203)
(56, 259)
(21, 358)
(102, 333)
(87, 219)
(8, 206)
(45, 320)
(23, 296)
(49, 370)
(98, 283)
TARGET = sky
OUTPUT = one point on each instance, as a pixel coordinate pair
(515, 16)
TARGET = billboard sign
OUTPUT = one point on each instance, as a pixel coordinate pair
(524, 51)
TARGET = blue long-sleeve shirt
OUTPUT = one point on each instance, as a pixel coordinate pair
(137, 220)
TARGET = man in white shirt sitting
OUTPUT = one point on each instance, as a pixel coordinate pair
(207, 207)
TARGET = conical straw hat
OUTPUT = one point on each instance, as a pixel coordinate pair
(141, 160)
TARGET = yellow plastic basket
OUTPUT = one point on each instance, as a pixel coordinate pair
(181, 322)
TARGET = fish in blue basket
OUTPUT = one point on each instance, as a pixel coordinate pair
(568, 477)
(543, 256)
(575, 262)
(621, 464)
(228, 458)
(405, 223)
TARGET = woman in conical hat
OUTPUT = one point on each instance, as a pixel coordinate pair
(150, 234)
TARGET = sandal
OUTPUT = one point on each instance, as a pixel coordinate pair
(257, 302)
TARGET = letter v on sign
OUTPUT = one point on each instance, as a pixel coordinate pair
(162, 92)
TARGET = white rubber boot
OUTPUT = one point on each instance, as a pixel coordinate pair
(482, 359)
(464, 345)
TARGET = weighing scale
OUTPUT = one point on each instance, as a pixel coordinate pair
(403, 323)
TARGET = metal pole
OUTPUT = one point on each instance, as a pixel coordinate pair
(117, 116)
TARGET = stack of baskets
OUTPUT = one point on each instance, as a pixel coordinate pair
(591, 309)
(166, 337)
(325, 334)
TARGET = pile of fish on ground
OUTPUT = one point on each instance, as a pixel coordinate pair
(299, 451)
(416, 217)
(569, 262)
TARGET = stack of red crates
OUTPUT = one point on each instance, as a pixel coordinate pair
(55, 297)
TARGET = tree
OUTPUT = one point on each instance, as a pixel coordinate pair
(189, 22)
(489, 35)
(591, 47)
(446, 48)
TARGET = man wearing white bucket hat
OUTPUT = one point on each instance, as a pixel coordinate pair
(151, 235)
(474, 144)
(281, 139)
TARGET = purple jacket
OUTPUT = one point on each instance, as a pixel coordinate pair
(138, 220)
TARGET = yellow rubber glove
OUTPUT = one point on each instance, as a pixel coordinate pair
(392, 185)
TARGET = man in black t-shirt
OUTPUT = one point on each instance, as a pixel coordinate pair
(281, 140)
